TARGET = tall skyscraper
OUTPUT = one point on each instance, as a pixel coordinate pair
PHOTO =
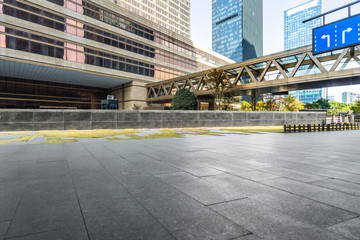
(172, 14)
(237, 28)
(298, 34)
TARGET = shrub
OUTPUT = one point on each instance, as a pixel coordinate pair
(183, 100)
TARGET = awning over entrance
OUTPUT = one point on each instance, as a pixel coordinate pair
(50, 74)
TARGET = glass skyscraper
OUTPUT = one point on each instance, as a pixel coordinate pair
(311, 95)
(298, 34)
(237, 28)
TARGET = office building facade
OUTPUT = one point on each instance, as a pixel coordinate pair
(172, 14)
(298, 34)
(350, 97)
(331, 98)
(237, 28)
(311, 95)
(72, 53)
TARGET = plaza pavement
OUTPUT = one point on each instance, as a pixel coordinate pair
(259, 186)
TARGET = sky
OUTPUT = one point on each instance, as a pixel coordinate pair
(273, 27)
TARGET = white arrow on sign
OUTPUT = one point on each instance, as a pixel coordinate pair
(328, 39)
(343, 34)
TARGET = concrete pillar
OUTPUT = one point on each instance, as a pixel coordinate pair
(131, 94)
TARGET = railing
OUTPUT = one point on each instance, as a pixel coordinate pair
(320, 128)
(281, 69)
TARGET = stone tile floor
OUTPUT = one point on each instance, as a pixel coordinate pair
(269, 186)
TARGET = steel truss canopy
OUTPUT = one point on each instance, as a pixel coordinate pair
(278, 73)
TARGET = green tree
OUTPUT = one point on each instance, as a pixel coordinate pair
(321, 103)
(356, 107)
(245, 106)
(219, 82)
(338, 105)
(255, 98)
(292, 104)
(183, 100)
(270, 101)
(260, 106)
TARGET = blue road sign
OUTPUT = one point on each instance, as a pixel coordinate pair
(341, 34)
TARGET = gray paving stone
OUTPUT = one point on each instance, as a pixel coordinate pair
(338, 185)
(192, 167)
(248, 237)
(98, 151)
(70, 233)
(150, 165)
(49, 202)
(238, 170)
(198, 170)
(10, 196)
(24, 156)
(157, 189)
(14, 177)
(52, 216)
(296, 165)
(349, 229)
(3, 228)
(110, 212)
(331, 197)
(184, 217)
(57, 153)
(223, 156)
(203, 191)
(269, 223)
(301, 208)
(296, 175)
(16, 171)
